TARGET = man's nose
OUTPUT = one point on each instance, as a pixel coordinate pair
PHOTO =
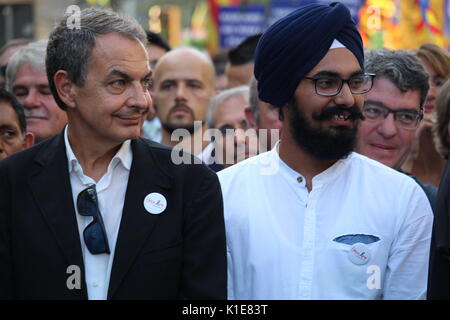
(239, 137)
(181, 91)
(388, 128)
(140, 98)
(345, 97)
(31, 100)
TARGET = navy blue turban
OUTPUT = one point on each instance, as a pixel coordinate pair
(295, 44)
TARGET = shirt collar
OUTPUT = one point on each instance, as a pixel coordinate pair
(291, 175)
(124, 155)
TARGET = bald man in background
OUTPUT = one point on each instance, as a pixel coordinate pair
(183, 87)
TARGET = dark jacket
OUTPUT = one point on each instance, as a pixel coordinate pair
(430, 190)
(439, 270)
(180, 253)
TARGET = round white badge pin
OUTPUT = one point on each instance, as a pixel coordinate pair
(155, 203)
(359, 253)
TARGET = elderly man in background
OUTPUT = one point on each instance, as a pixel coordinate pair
(234, 141)
(263, 117)
(27, 79)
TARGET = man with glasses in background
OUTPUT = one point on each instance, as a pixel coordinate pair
(96, 212)
(329, 223)
(233, 139)
(393, 109)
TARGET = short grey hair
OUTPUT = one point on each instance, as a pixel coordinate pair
(70, 48)
(402, 67)
(220, 98)
(32, 54)
(253, 99)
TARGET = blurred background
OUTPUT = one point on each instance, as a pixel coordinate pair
(216, 25)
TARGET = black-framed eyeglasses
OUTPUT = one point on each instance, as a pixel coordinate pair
(94, 234)
(228, 129)
(406, 119)
(329, 86)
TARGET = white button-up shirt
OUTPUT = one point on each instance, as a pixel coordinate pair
(111, 190)
(363, 232)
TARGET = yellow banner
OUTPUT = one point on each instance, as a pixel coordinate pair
(405, 24)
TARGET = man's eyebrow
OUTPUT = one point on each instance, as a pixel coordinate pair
(123, 75)
(182, 80)
(375, 103)
(19, 87)
(380, 104)
(7, 127)
(119, 74)
(334, 74)
(168, 81)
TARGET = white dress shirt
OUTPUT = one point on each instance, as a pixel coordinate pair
(205, 155)
(281, 238)
(111, 190)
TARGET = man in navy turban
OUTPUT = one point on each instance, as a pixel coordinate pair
(311, 219)
(292, 46)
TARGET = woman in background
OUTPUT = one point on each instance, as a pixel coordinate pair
(424, 161)
(441, 128)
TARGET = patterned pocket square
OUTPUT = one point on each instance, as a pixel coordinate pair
(355, 238)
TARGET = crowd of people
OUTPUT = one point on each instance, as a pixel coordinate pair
(295, 166)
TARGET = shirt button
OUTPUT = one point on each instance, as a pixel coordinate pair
(299, 179)
(95, 284)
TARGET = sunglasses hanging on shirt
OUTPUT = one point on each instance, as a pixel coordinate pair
(94, 234)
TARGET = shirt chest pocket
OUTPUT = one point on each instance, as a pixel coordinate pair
(357, 261)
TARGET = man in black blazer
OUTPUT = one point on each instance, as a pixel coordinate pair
(439, 270)
(96, 212)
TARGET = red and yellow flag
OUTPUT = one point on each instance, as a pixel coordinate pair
(405, 24)
(213, 22)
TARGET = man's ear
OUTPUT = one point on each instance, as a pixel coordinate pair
(250, 117)
(28, 140)
(64, 87)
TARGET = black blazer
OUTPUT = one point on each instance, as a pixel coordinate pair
(439, 269)
(178, 254)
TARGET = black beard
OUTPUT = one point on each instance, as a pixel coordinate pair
(171, 128)
(323, 144)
